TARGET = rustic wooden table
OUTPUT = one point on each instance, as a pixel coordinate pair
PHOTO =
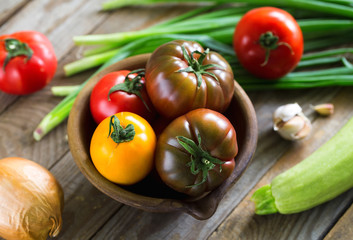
(89, 214)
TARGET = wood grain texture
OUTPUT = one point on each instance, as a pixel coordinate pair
(86, 209)
(9, 8)
(343, 228)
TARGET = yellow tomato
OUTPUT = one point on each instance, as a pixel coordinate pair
(123, 161)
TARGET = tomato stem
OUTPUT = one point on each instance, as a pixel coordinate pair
(131, 85)
(201, 160)
(269, 42)
(120, 134)
(196, 67)
(16, 48)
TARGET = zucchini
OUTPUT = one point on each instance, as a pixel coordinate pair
(322, 176)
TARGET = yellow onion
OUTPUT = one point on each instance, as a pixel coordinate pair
(31, 200)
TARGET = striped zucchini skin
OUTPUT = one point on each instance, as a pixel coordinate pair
(322, 176)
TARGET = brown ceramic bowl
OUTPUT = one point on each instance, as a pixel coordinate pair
(151, 194)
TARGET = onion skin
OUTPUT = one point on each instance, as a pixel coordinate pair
(31, 200)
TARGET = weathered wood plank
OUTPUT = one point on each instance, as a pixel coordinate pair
(9, 8)
(20, 119)
(270, 149)
(343, 228)
(242, 223)
(86, 208)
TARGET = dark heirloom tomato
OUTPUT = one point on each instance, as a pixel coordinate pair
(195, 153)
(268, 42)
(182, 76)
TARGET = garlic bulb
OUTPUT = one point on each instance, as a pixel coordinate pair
(290, 122)
(31, 201)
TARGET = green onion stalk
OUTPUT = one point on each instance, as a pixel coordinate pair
(304, 82)
(318, 30)
(209, 22)
(62, 110)
(339, 8)
(214, 30)
(297, 79)
(63, 91)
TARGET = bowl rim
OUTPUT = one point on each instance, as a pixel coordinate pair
(201, 208)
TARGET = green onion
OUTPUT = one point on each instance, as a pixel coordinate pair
(62, 110)
(99, 59)
(88, 62)
(62, 91)
(320, 61)
(335, 77)
(326, 42)
(215, 30)
(294, 76)
(331, 7)
(310, 82)
(224, 35)
(311, 25)
(203, 25)
(343, 2)
(331, 52)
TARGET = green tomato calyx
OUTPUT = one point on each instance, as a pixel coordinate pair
(201, 160)
(269, 42)
(16, 48)
(131, 85)
(196, 65)
(118, 133)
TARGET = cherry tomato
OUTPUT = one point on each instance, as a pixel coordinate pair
(182, 76)
(121, 91)
(195, 153)
(122, 148)
(268, 42)
(27, 62)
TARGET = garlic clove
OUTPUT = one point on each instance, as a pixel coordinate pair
(304, 132)
(291, 123)
(286, 112)
(324, 109)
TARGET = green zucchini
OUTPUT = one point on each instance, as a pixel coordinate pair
(322, 176)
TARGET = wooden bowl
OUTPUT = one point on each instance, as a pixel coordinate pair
(151, 194)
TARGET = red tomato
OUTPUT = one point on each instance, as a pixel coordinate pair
(268, 42)
(127, 99)
(27, 62)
